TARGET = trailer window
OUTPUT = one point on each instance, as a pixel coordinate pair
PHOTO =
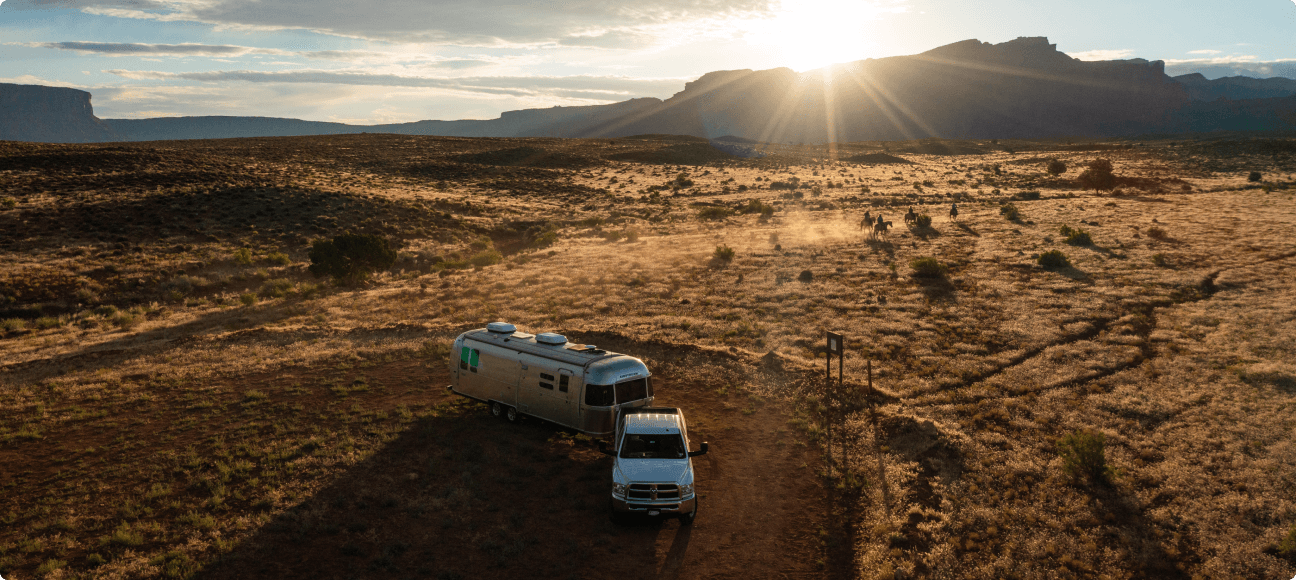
(546, 381)
(468, 358)
(632, 390)
(598, 395)
(562, 383)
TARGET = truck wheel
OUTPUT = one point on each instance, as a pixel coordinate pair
(496, 409)
(687, 519)
(511, 413)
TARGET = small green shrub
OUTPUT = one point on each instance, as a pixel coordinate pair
(481, 243)
(13, 324)
(1254, 176)
(1075, 237)
(1053, 259)
(9, 203)
(1287, 547)
(279, 258)
(1056, 167)
(48, 322)
(94, 561)
(352, 258)
(1010, 212)
(50, 566)
(926, 267)
(125, 320)
(122, 537)
(806, 276)
(1158, 234)
(243, 256)
(724, 253)
(612, 235)
(198, 521)
(1159, 260)
(1084, 456)
(714, 213)
(248, 299)
(923, 221)
(105, 311)
(632, 235)
(485, 258)
(175, 564)
(276, 288)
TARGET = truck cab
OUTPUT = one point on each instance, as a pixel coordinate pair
(652, 469)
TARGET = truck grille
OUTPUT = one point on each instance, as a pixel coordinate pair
(653, 491)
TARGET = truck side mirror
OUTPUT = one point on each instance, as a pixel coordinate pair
(603, 448)
(701, 451)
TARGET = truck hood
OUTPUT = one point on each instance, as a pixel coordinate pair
(653, 470)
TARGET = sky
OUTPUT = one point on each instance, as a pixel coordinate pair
(391, 61)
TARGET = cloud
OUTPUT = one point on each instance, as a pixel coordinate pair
(604, 88)
(1110, 54)
(459, 22)
(1207, 51)
(140, 49)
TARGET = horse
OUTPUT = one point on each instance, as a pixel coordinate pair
(911, 217)
(867, 221)
(954, 211)
(879, 229)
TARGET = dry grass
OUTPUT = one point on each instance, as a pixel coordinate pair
(174, 381)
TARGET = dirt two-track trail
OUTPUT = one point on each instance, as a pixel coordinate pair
(466, 495)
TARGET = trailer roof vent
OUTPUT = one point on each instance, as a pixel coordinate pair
(501, 327)
(551, 338)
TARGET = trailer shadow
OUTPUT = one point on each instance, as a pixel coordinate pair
(460, 495)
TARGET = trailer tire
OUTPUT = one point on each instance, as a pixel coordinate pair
(511, 413)
(496, 409)
(687, 519)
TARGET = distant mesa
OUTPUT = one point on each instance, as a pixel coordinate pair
(528, 157)
(1020, 89)
(876, 159)
(681, 154)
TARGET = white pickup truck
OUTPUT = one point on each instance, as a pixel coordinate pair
(652, 472)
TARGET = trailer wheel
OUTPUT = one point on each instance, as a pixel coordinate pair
(687, 519)
(512, 415)
(496, 409)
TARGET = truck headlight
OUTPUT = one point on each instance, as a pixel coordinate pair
(686, 490)
(619, 489)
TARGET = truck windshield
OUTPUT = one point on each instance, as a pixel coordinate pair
(638, 446)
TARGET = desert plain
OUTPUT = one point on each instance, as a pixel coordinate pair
(181, 398)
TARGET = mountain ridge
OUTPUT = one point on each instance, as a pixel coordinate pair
(1022, 88)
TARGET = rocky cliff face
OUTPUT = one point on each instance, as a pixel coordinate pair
(969, 89)
(48, 115)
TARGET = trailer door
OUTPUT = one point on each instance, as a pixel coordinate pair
(563, 400)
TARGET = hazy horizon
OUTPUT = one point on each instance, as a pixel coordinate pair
(406, 61)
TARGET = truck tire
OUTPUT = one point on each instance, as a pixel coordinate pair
(617, 518)
(687, 519)
(511, 413)
(496, 409)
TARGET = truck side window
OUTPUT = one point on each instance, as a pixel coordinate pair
(546, 377)
(598, 395)
(562, 383)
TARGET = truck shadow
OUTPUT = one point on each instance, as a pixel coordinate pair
(458, 494)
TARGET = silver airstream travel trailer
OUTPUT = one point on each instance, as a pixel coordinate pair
(542, 375)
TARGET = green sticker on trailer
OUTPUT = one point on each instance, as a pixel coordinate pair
(473, 360)
(463, 356)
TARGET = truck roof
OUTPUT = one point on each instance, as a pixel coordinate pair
(654, 421)
(571, 353)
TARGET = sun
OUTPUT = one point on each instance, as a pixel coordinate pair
(808, 34)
